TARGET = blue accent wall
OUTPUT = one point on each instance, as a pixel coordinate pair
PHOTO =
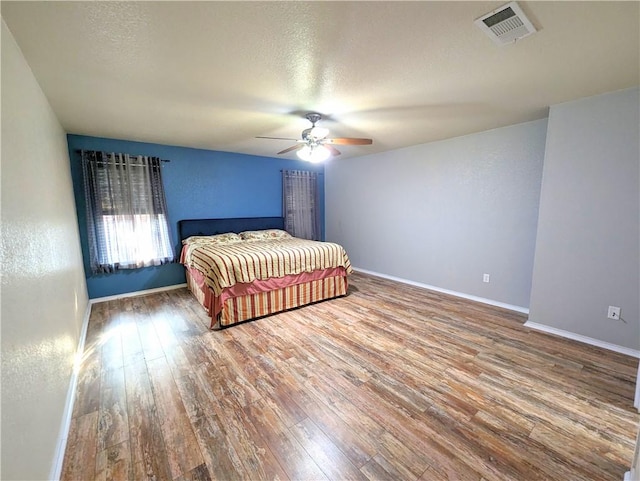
(198, 184)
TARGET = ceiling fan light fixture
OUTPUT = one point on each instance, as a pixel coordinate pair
(314, 153)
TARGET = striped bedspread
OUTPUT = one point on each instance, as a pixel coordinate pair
(225, 265)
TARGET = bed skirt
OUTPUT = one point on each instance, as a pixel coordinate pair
(261, 298)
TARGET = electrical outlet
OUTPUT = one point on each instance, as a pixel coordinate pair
(613, 313)
(485, 278)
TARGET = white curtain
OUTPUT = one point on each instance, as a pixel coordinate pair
(300, 204)
(126, 212)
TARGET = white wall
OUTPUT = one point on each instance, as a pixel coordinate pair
(444, 213)
(587, 255)
(44, 296)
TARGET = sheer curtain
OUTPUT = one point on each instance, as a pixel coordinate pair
(126, 211)
(300, 204)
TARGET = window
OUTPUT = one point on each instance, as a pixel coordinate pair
(301, 204)
(126, 212)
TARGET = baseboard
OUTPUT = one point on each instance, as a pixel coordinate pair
(631, 476)
(470, 297)
(61, 446)
(584, 339)
(636, 399)
(137, 293)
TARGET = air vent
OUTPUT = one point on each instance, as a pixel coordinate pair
(506, 24)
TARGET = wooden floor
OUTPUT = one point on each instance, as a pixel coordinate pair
(390, 382)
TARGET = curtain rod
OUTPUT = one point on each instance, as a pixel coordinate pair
(317, 173)
(78, 151)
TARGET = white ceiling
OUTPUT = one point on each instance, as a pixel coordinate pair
(215, 75)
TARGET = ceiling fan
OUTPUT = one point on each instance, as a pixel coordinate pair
(315, 146)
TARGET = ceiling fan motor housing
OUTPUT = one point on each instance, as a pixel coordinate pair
(313, 117)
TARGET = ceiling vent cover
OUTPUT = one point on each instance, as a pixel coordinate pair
(506, 24)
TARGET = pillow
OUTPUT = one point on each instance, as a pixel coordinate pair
(227, 238)
(267, 234)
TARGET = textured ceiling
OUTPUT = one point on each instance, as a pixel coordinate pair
(215, 75)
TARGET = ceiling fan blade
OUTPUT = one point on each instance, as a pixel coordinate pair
(277, 138)
(293, 147)
(332, 149)
(345, 141)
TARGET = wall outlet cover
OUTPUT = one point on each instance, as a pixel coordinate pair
(613, 312)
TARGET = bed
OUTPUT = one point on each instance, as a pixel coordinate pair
(244, 268)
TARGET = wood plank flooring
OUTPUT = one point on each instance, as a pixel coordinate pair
(391, 382)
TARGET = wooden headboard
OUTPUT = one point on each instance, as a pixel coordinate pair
(189, 227)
